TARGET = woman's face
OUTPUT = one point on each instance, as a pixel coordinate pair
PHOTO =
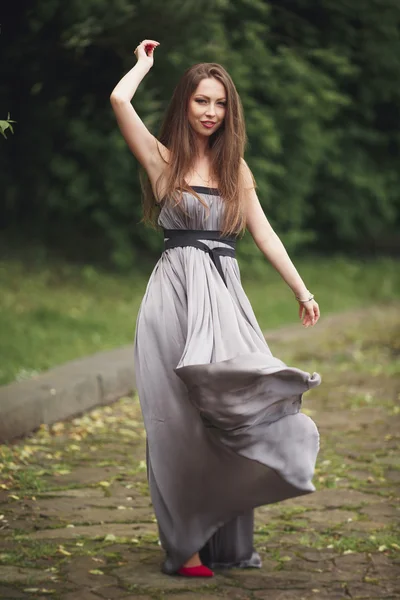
(207, 106)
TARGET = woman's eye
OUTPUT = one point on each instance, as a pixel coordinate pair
(202, 101)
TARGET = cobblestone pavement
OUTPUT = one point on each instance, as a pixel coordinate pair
(76, 521)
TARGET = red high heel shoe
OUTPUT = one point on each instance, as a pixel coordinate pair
(198, 571)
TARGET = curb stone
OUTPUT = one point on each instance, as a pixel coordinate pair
(65, 391)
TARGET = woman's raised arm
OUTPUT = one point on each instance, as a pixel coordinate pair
(141, 142)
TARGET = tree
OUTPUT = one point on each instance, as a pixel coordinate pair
(319, 86)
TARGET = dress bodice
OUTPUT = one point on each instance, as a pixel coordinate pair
(191, 214)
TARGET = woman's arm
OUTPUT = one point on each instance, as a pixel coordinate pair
(271, 246)
(139, 139)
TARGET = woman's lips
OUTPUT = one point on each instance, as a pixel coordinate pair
(208, 124)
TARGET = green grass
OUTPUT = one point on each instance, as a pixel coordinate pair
(339, 284)
(53, 314)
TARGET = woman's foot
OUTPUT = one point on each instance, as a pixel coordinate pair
(194, 568)
(194, 561)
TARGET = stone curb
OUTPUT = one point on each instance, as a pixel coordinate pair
(65, 391)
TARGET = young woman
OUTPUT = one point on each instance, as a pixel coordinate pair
(222, 415)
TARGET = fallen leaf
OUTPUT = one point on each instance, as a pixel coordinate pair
(371, 580)
(395, 546)
(96, 572)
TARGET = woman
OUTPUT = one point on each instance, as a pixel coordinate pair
(222, 415)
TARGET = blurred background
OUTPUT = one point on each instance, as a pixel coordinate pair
(321, 91)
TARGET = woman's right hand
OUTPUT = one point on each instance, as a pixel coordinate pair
(144, 52)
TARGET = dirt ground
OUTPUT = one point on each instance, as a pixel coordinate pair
(76, 522)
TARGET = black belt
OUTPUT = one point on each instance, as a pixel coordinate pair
(178, 238)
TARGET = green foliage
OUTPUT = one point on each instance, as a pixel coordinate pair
(321, 94)
(4, 125)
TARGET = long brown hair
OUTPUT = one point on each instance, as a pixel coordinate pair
(227, 146)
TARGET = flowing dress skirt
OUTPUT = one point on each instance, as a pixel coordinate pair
(225, 431)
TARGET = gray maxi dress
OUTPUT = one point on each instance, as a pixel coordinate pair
(222, 415)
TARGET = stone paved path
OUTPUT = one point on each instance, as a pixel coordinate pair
(76, 521)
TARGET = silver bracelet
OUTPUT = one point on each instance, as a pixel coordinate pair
(311, 297)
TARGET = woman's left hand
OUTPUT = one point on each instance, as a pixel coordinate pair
(309, 312)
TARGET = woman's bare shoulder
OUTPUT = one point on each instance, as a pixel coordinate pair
(159, 162)
(163, 150)
(246, 176)
(157, 169)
